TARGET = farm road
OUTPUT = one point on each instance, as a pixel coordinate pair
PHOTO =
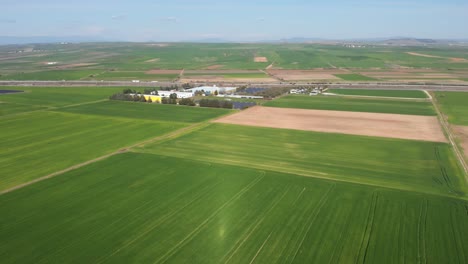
(446, 127)
(122, 150)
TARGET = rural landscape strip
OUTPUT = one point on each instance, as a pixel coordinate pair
(122, 150)
(161, 138)
(446, 127)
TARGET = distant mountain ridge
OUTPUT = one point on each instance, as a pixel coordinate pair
(11, 40)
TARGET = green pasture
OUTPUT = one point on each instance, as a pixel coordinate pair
(38, 143)
(382, 93)
(58, 96)
(133, 75)
(132, 60)
(401, 164)
(147, 111)
(258, 75)
(455, 106)
(341, 103)
(57, 75)
(143, 208)
(354, 77)
(12, 108)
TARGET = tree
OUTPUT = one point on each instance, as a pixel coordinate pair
(215, 93)
(149, 100)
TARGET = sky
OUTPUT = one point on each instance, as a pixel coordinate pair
(241, 20)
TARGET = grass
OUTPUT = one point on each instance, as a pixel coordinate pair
(257, 75)
(455, 106)
(354, 77)
(146, 111)
(133, 75)
(134, 57)
(382, 93)
(58, 96)
(165, 209)
(51, 75)
(401, 164)
(39, 143)
(12, 108)
(339, 103)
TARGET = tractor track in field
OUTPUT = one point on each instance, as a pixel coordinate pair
(167, 136)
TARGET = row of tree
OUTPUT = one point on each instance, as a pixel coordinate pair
(215, 103)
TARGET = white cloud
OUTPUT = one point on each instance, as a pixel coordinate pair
(119, 17)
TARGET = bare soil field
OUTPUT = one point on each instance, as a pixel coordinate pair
(424, 128)
(432, 56)
(260, 59)
(317, 74)
(423, 55)
(153, 60)
(158, 71)
(216, 78)
(461, 132)
(214, 67)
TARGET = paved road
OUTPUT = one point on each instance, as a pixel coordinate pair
(386, 85)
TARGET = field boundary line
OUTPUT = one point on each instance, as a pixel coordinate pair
(303, 173)
(169, 135)
(446, 128)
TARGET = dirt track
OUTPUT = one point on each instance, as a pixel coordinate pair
(461, 132)
(425, 128)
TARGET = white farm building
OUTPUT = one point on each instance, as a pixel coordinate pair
(179, 94)
(212, 89)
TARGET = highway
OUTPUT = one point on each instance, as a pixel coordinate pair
(344, 85)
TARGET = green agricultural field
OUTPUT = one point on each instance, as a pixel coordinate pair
(132, 75)
(401, 164)
(258, 75)
(38, 143)
(58, 96)
(382, 93)
(57, 75)
(131, 60)
(12, 108)
(455, 106)
(340, 103)
(170, 210)
(354, 77)
(146, 111)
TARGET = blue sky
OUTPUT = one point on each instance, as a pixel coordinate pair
(242, 20)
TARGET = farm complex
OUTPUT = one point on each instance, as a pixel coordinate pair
(168, 170)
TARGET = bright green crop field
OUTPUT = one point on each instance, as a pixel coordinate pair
(143, 208)
(218, 193)
(354, 77)
(138, 110)
(36, 144)
(340, 103)
(58, 96)
(382, 93)
(401, 164)
(455, 106)
(12, 108)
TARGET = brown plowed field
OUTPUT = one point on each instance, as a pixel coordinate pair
(425, 128)
(461, 132)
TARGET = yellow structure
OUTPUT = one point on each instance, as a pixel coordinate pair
(154, 98)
